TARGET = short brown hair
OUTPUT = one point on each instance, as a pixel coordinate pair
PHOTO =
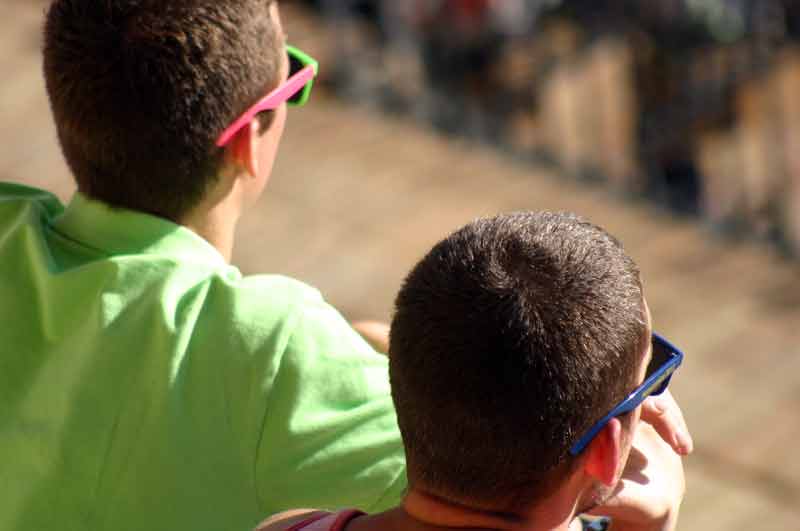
(509, 340)
(140, 90)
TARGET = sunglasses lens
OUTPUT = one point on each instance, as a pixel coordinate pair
(295, 66)
(661, 355)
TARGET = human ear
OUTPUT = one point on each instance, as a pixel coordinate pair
(604, 454)
(243, 148)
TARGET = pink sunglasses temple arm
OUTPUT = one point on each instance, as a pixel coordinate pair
(269, 102)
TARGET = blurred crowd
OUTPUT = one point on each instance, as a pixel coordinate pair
(690, 102)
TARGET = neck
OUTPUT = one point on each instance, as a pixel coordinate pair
(216, 217)
(439, 512)
(433, 513)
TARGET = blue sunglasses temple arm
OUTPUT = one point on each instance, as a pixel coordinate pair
(623, 407)
(660, 378)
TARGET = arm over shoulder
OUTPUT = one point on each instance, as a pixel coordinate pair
(329, 435)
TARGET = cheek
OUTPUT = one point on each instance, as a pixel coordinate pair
(598, 496)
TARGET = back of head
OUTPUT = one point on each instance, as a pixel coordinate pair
(140, 89)
(510, 338)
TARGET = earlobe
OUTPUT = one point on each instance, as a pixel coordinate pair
(604, 454)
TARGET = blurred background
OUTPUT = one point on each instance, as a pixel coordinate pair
(692, 103)
(675, 124)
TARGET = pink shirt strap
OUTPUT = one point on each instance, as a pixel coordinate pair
(327, 521)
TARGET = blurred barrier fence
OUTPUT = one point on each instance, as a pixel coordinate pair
(694, 103)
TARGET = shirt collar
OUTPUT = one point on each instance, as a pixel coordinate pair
(118, 231)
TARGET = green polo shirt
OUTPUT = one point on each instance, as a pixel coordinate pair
(145, 384)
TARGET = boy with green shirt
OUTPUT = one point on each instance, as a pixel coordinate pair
(145, 383)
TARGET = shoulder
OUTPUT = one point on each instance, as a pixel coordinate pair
(285, 520)
(281, 316)
(258, 299)
(255, 292)
(300, 310)
(277, 286)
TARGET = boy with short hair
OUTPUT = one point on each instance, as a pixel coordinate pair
(146, 383)
(522, 361)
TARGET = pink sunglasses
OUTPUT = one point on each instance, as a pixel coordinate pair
(295, 91)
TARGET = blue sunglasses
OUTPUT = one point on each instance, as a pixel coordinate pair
(666, 359)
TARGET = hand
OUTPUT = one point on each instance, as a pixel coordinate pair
(649, 494)
(651, 489)
(663, 413)
(375, 333)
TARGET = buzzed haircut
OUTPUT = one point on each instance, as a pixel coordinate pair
(141, 89)
(509, 340)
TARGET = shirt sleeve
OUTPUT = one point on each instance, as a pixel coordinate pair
(329, 437)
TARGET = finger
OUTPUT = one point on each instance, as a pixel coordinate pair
(663, 413)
